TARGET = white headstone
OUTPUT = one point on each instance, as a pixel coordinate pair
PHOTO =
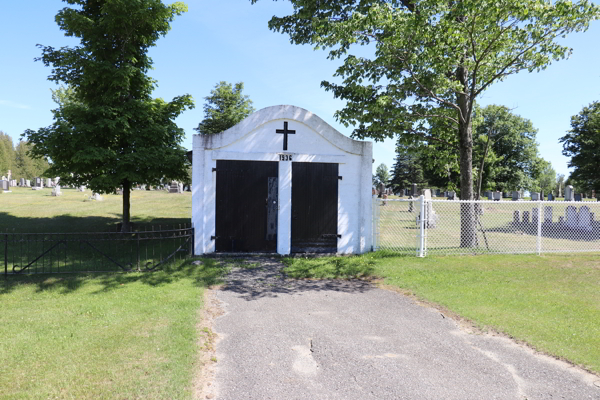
(569, 194)
(571, 217)
(56, 191)
(548, 214)
(584, 219)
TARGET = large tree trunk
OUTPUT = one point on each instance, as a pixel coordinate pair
(468, 222)
(126, 196)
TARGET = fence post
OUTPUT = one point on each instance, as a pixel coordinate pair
(539, 229)
(421, 247)
(375, 225)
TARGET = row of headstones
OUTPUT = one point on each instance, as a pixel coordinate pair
(583, 220)
(570, 195)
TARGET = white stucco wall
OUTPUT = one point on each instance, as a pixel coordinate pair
(255, 138)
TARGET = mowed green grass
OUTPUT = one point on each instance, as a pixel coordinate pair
(104, 335)
(551, 302)
(112, 336)
(36, 211)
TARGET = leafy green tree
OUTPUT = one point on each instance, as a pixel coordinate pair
(27, 167)
(382, 175)
(428, 54)
(512, 144)
(546, 177)
(225, 107)
(407, 169)
(7, 153)
(108, 131)
(582, 144)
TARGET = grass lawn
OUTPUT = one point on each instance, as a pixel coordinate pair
(551, 302)
(111, 336)
(104, 335)
(32, 211)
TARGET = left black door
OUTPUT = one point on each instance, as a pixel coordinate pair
(246, 198)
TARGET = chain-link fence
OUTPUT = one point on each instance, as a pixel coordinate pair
(479, 227)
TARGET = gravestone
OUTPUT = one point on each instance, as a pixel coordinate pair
(438, 193)
(22, 182)
(27, 183)
(38, 184)
(547, 215)
(490, 195)
(13, 183)
(550, 197)
(578, 197)
(571, 216)
(516, 217)
(431, 216)
(5, 186)
(534, 216)
(535, 196)
(48, 182)
(497, 196)
(56, 191)
(414, 189)
(525, 217)
(174, 188)
(516, 195)
(584, 219)
(119, 192)
(569, 195)
(96, 196)
(451, 195)
(81, 188)
(9, 175)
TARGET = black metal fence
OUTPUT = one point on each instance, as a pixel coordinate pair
(48, 253)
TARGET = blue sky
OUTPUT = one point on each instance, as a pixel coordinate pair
(228, 40)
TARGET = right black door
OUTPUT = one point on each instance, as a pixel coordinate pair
(314, 207)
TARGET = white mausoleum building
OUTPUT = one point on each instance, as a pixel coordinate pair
(281, 181)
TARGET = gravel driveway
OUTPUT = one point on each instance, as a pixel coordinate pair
(287, 339)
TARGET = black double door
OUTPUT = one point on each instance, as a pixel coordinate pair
(314, 207)
(246, 206)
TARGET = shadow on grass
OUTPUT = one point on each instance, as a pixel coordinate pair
(209, 272)
(68, 223)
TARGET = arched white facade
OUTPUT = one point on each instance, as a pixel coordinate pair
(313, 140)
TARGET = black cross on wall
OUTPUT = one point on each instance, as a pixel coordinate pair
(285, 131)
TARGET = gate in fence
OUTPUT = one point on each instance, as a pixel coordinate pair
(445, 227)
(35, 253)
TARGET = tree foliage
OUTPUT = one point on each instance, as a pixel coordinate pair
(225, 107)
(108, 131)
(582, 144)
(382, 175)
(513, 158)
(430, 54)
(407, 169)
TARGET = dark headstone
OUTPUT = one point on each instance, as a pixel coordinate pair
(578, 197)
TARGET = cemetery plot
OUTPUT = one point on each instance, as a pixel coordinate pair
(502, 227)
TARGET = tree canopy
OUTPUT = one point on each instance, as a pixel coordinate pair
(225, 107)
(431, 56)
(582, 144)
(382, 175)
(108, 131)
(408, 167)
